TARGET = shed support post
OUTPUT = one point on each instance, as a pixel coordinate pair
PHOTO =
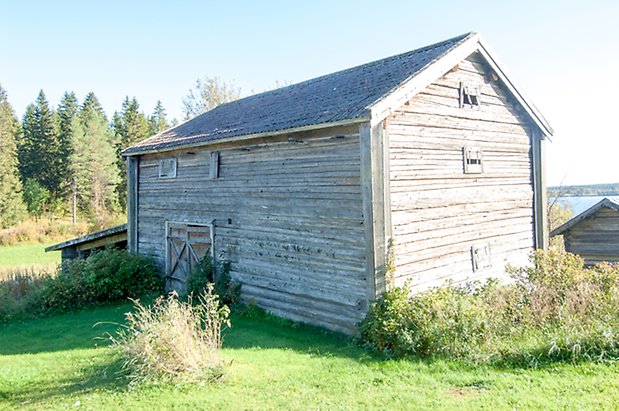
(374, 215)
(539, 189)
(132, 203)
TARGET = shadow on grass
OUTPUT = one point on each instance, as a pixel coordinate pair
(103, 377)
(268, 332)
(61, 332)
(255, 331)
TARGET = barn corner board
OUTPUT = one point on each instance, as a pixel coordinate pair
(436, 152)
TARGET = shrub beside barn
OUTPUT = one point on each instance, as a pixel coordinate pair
(429, 161)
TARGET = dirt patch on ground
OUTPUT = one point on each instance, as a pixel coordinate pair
(464, 392)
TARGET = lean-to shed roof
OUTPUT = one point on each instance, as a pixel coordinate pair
(119, 229)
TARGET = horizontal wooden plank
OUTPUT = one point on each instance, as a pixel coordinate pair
(304, 310)
(430, 120)
(402, 187)
(420, 244)
(426, 107)
(299, 286)
(420, 261)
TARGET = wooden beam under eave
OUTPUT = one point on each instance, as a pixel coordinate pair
(103, 242)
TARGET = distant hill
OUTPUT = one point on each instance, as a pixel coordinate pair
(584, 190)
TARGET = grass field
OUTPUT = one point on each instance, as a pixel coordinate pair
(58, 363)
(27, 257)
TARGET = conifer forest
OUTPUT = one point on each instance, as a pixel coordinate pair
(64, 162)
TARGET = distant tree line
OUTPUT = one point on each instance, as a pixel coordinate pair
(584, 190)
(57, 160)
(55, 157)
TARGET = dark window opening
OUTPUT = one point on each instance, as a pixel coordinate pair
(473, 160)
(470, 96)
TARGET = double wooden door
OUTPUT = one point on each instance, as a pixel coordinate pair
(186, 245)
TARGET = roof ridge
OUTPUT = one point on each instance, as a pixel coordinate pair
(455, 40)
(341, 97)
(458, 40)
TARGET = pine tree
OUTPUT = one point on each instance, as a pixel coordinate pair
(130, 126)
(158, 120)
(133, 125)
(67, 110)
(93, 164)
(26, 145)
(11, 204)
(91, 102)
(39, 148)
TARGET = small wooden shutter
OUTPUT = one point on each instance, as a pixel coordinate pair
(480, 255)
(473, 160)
(167, 168)
(186, 245)
(214, 165)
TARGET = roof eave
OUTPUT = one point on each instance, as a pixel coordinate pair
(516, 91)
(129, 152)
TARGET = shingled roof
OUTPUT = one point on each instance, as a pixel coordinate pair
(334, 98)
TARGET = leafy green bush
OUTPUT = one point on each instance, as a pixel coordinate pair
(173, 340)
(229, 291)
(448, 320)
(555, 309)
(108, 275)
(105, 276)
(36, 197)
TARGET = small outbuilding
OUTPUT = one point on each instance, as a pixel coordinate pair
(418, 168)
(81, 247)
(594, 233)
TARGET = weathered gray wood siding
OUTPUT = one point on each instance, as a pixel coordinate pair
(438, 212)
(287, 214)
(596, 238)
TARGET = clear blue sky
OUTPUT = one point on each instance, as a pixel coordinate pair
(564, 54)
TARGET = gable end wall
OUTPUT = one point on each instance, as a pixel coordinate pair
(438, 212)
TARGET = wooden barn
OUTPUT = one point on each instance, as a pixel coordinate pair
(594, 233)
(428, 162)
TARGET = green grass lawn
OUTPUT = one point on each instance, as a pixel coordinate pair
(28, 256)
(58, 363)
